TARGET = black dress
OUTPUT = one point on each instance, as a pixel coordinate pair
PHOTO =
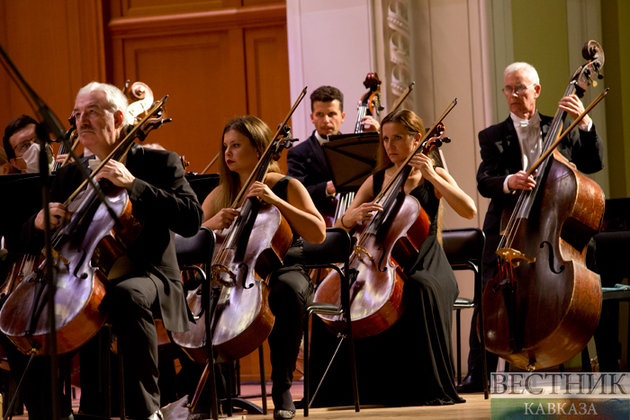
(410, 363)
(291, 293)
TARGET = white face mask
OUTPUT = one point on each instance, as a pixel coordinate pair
(31, 158)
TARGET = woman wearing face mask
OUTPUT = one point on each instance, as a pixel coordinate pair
(20, 144)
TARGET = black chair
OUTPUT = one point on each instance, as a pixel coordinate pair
(336, 248)
(199, 249)
(464, 250)
(609, 259)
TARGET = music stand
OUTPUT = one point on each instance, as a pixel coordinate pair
(351, 159)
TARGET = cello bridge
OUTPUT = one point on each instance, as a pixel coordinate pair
(57, 256)
(362, 250)
(224, 275)
(512, 256)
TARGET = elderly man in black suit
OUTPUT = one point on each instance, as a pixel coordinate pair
(166, 204)
(508, 149)
(306, 161)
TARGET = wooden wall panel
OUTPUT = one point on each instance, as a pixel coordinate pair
(267, 73)
(267, 64)
(214, 65)
(203, 76)
(57, 46)
(5, 82)
(135, 8)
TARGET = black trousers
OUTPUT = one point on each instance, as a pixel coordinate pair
(291, 293)
(133, 302)
(475, 366)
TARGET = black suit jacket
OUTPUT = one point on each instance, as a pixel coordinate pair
(306, 162)
(161, 198)
(501, 156)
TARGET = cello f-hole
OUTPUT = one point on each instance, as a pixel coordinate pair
(245, 271)
(382, 268)
(551, 265)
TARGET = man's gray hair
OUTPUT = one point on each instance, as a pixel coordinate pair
(116, 99)
(518, 66)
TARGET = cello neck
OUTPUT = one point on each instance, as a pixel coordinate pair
(424, 147)
(558, 120)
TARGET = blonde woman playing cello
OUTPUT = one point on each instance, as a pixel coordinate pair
(244, 141)
(422, 335)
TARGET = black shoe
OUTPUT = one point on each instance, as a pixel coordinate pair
(283, 414)
(470, 385)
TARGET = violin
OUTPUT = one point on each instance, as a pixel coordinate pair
(85, 250)
(544, 304)
(386, 244)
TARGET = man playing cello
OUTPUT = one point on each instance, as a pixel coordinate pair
(164, 201)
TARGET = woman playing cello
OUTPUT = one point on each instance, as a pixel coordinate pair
(244, 141)
(422, 335)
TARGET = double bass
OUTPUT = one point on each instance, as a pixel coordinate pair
(544, 304)
(386, 244)
(84, 250)
(369, 105)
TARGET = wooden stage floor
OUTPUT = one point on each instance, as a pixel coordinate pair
(475, 408)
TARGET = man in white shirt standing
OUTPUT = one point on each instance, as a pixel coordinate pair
(508, 149)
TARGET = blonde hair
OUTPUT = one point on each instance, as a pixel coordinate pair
(259, 135)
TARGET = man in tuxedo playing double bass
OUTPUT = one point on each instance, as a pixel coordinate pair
(166, 204)
(508, 149)
(306, 161)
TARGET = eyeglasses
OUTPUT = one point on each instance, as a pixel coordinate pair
(520, 89)
(23, 146)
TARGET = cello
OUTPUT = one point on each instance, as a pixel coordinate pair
(386, 244)
(249, 251)
(85, 249)
(544, 304)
